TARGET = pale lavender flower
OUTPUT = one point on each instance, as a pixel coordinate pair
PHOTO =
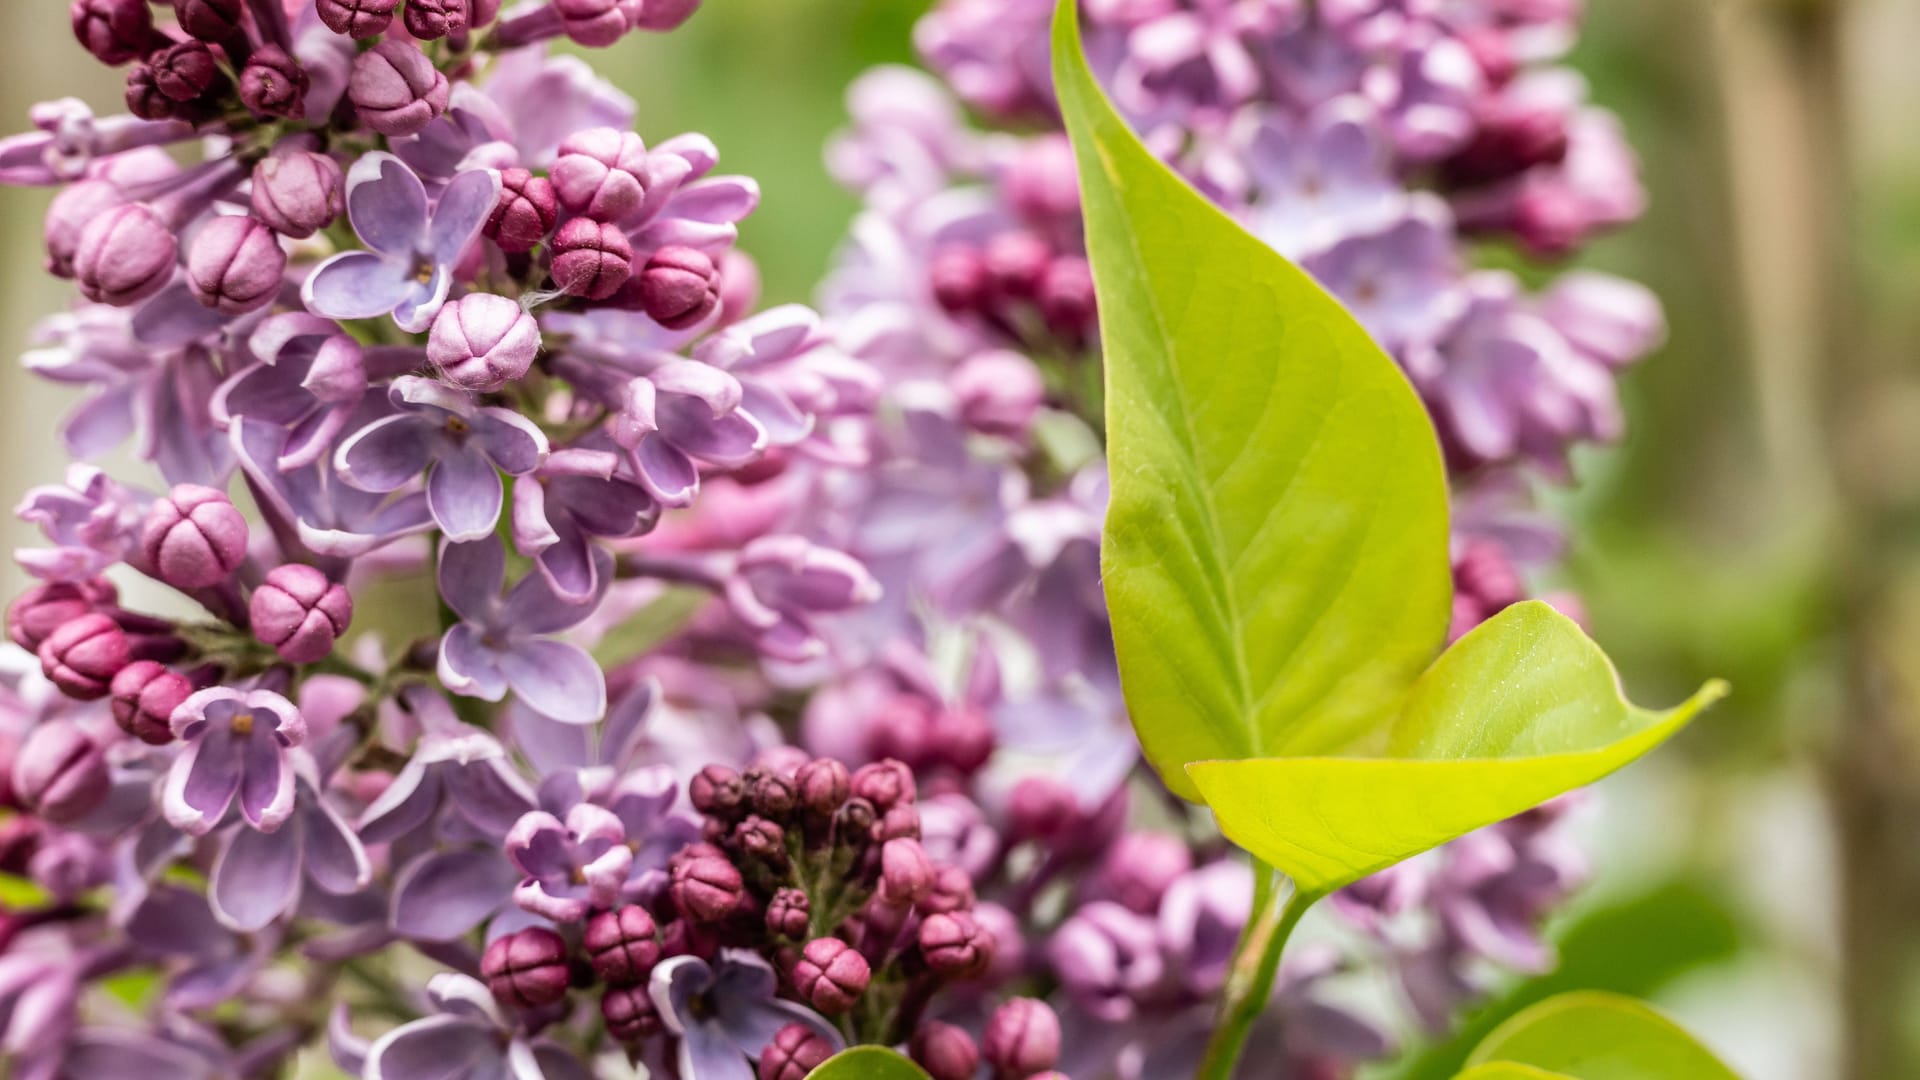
(502, 644)
(91, 521)
(683, 413)
(725, 1012)
(1401, 280)
(784, 583)
(237, 744)
(467, 1027)
(571, 867)
(310, 505)
(1317, 178)
(561, 509)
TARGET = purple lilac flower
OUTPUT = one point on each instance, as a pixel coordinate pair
(571, 867)
(503, 643)
(467, 1028)
(238, 746)
(723, 1012)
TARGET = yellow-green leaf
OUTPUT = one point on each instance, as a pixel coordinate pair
(1599, 1036)
(868, 1063)
(1507, 1070)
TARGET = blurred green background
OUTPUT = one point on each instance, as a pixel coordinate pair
(1759, 522)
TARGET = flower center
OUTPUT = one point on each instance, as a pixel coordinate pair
(243, 724)
(458, 425)
(422, 269)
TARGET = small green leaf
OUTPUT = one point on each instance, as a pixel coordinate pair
(1275, 555)
(18, 894)
(1598, 1036)
(1518, 711)
(1507, 1070)
(868, 1063)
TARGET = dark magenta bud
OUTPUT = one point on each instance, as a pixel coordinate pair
(629, 1013)
(431, 20)
(124, 256)
(900, 823)
(679, 287)
(952, 891)
(601, 173)
(945, 1051)
(114, 31)
(1138, 868)
(958, 278)
(526, 969)
(69, 215)
(623, 945)
(795, 1051)
(885, 784)
(209, 20)
(761, 839)
(396, 90)
(853, 822)
(591, 259)
(663, 15)
(186, 71)
(297, 192)
(59, 774)
(964, 739)
(526, 212)
(831, 975)
(38, 612)
(235, 264)
(706, 887)
(1066, 297)
(357, 18)
(718, 791)
(788, 914)
(1041, 808)
(143, 96)
(774, 796)
(145, 694)
(1023, 1038)
(300, 612)
(1015, 263)
(823, 784)
(274, 84)
(83, 656)
(593, 23)
(194, 537)
(906, 874)
(955, 945)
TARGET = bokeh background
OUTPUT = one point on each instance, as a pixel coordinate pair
(1760, 522)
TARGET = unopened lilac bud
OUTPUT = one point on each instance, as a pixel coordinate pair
(952, 891)
(72, 210)
(1139, 867)
(663, 15)
(831, 975)
(396, 90)
(593, 23)
(853, 822)
(999, 393)
(209, 20)
(1066, 297)
(958, 278)
(194, 537)
(679, 287)
(300, 612)
(1023, 1038)
(482, 12)
(630, 1013)
(717, 791)
(59, 774)
(788, 914)
(774, 796)
(955, 945)
(483, 341)
(526, 969)
(945, 1051)
(884, 784)
(235, 264)
(1041, 808)
(145, 694)
(706, 888)
(1015, 262)
(526, 212)
(431, 20)
(83, 656)
(900, 823)
(796, 1050)
(297, 192)
(274, 84)
(623, 945)
(1042, 182)
(35, 614)
(906, 874)
(761, 839)
(600, 173)
(143, 96)
(823, 784)
(739, 284)
(591, 259)
(114, 31)
(357, 18)
(126, 255)
(186, 71)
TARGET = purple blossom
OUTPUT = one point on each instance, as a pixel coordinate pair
(571, 867)
(238, 743)
(502, 644)
(564, 507)
(683, 413)
(257, 876)
(724, 1012)
(466, 1026)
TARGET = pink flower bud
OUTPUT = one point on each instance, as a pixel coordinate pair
(1042, 182)
(952, 891)
(600, 173)
(945, 1051)
(831, 975)
(209, 20)
(126, 255)
(1041, 808)
(526, 212)
(663, 15)
(483, 341)
(235, 264)
(679, 287)
(37, 613)
(83, 656)
(1066, 298)
(274, 84)
(186, 71)
(143, 96)
(955, 945)
(795, 1051)
(884, 784)
(1023, 1038)
(823, 784)
(1015, 263)
(630, 1013)
(999, 393)
(623, 945)
(431, 20)
(297, 192)
(194, 537)
(396, 89)
(357, 18)
(1139, 867)
(958, 277)
(906, 874)
(59, 774)
(114, 31)
(739, 284)
(527, 969)
(593, 23)
(145, 693)
(900, 823)
(706, 887)
(717, 790)
(788, 914)
(300, 612)
(68, 216)
(482, 12)
(591, 259)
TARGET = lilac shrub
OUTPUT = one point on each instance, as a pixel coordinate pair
(750, 694)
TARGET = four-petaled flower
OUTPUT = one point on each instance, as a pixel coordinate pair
(725, 1012)
(237, 744)
(571, 867)
(501, 642)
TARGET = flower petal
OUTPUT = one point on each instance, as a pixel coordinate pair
(465, 495)
(444, 894)
(434, 1048)
(356, 285)
(387, 204)
(558, 679)
(266, 781)
(464, 207)
(471, 576)
(515, 443)
(256, 879)
(386, 454)
(202, 781)
(468, 667)
(335, 858)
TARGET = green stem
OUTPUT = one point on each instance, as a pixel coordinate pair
(1256, 961)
